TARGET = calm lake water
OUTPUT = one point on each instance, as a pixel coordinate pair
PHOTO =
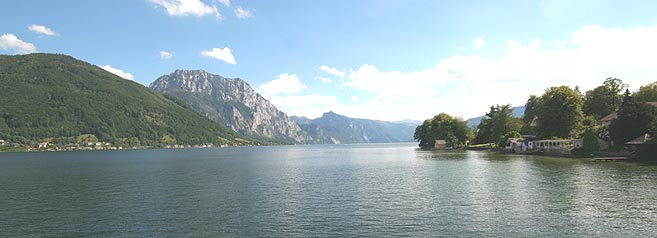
(381, 190)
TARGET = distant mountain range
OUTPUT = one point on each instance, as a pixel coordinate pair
(337, 129)
(473, 122)
(412, 122)
(233, 103)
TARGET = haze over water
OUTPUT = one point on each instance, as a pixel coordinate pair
(375, 190)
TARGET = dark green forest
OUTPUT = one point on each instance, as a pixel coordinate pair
(57, 98)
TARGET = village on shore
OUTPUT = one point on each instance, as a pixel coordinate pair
(90, 146)
(604, 124)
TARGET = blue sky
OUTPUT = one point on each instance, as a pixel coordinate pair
(376, 59)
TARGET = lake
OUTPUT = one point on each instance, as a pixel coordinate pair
(369, 190)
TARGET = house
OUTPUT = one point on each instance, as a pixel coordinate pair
(642, 144)
(2, 142)
(550, 147)
(440, 145)
(534, 122)
(557, 147)
(517, 145)
(43, 144)
(522, 145)
(641, 140)
(606, 120)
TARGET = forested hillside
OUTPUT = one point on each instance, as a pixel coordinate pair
(58, 98)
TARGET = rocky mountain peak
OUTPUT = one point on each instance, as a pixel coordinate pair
(191, 80)
(332, 114)
(230, 101)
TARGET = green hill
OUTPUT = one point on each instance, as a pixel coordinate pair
(58, 98)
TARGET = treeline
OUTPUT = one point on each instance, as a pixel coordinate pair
(560, 113)
(453, 130)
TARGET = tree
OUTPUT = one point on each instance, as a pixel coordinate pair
(85, 139)
(443, 127)
(528, 116)
(604, 99)
(647, 93)
(590, 142)
(497, 125)
(634, 119)
(168, 140)
(559, 113)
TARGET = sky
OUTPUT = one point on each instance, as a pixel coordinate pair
(375, 59)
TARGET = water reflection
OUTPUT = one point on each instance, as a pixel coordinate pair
(338, 191)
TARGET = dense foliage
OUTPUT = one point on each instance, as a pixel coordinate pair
(56, 97)
(634, 119)
(604, 99)
(562, 112)
(559, 113)
(529, 116)
(443, 127)
(498, 125)
(646, 93)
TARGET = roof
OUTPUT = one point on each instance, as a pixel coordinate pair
(514, 140)
(560, 140)
(441, 142)
(534, 121)
(612, 116)
(643, 139)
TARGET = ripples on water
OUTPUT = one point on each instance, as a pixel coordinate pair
(385, 190)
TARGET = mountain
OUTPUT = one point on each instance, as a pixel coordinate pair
(473, 122)
(231, 102)
(413, 122)
(57, 97)
(338, 129)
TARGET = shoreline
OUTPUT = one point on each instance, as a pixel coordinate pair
(598, 156)
(58, 149)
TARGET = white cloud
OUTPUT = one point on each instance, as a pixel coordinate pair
(241, 12)
(39, 29)
(324, 79)
(311, 106)
(283, 84)
(391, 109)
(369, 78)
(535, 43)
(11, 42)
(332, 71)
(466, 85)
(479, 42)
(166, 55)
(224, 55)
(187, 7)
(224, 2)
(117, 72)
